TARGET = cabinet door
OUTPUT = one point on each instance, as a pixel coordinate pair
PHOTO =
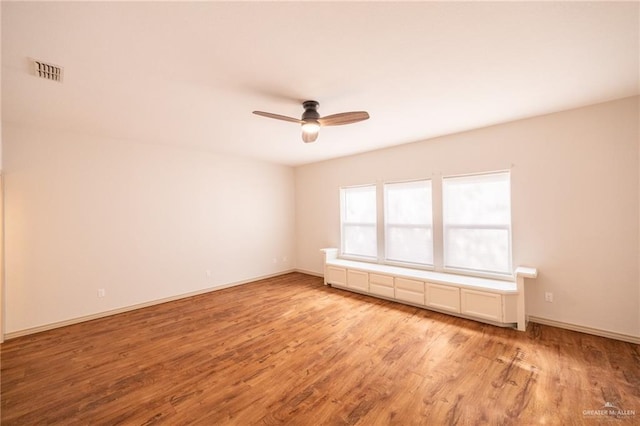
(482, 305)
(409, 290)
(358, 280)
(443, 297)
(381, 285)
(337, 276)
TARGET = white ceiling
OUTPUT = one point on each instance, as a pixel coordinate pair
(189, 74)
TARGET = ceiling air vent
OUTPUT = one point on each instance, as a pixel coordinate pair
(47, 71)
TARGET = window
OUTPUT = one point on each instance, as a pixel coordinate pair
(394, 222)
(477, 222)
(358, 221)
(408, 226)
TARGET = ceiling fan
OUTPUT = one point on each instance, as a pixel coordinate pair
(311, 120)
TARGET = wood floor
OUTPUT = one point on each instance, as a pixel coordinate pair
(289, 350)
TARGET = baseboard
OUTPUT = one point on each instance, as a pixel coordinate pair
(588, 330)
(545, 321)
(104, 314)
(307, 272)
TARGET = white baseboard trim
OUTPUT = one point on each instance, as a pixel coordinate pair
(588, 330)
(307, 272)
(98, 315)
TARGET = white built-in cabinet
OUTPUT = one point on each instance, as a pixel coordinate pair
(493, 301)
(358, 280)
(336, 275)
(482, 304)
(382, 285)
(444, 297)
(411, 291)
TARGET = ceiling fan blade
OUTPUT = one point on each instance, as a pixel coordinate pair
(343, 118)
(309, 136)
(278, 116)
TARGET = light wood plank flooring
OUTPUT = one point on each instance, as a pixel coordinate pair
(289, 350)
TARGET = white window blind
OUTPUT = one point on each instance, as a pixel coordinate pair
(477, 222)
(408, 224)
(358, 221)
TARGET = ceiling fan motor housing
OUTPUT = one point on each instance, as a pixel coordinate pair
(310, 110)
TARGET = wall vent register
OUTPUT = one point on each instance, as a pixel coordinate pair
(47, 71)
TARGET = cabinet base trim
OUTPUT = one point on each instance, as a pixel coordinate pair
(511, 325)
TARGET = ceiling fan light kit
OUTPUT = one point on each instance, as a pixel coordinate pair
(311, 120)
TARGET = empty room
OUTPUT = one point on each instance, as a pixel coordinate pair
(320, 213)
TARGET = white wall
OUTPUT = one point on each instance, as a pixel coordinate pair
(144, 222)
(574, 205)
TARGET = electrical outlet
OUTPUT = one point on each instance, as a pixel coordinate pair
(208, 272)
(548, 296)
(101, 292)
(284, 259)
(275, 260)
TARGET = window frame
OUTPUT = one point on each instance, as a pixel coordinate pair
(344, 223)
(502, 227)
(385, 227)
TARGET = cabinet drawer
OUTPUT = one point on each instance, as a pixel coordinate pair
(409, 290)
(411, 285)
(336, 275)
(443, 297)
(358, 280)
(381, 285)
(384, 280)
(482, 305)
